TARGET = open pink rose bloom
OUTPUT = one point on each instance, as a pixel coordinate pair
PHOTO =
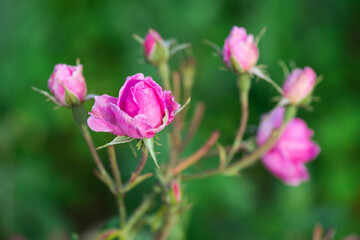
(70, 77)
(299, 84)
(141, 110)
(240, 50)
(286, 160)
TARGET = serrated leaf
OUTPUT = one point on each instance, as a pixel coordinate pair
(117, 140)
(257, 72)
(183, 106)
(149, 143)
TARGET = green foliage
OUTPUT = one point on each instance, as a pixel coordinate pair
(48, 189)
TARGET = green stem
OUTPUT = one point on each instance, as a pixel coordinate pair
(244, 84)
(122, 214)
(253, 157)
(120, 196)
(194, 158)
(170, 220)
(140, 167)
(114, 167)
(257, 154)
(141, 210)
(79, 114)
(164, 72)
(100, 166)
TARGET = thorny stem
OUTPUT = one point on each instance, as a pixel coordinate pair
(120, 195)
(79, 114)
(114, 167)
(122, 213)
(245, 161)
(170, 220)
(141, 165)
(197, 155)
(215, 152)
(94, 154)
(195, 122)
(244, 84)
(141, 210)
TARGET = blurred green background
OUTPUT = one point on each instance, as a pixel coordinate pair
(47, 187)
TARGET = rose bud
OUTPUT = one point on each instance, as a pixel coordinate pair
(176, 191)
(299, 84)
(240, 53)
(141, 110)
(286, 160)
(67, 84)
(155, 49)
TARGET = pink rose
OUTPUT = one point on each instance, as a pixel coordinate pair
(240, 53)
(286, 160)
(155, 49)
(71, 78)
(299, 84)
(141, 110)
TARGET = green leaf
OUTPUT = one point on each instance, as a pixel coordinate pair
(183, 106)
(257, 72)
(149, 143)
(214, 46)
(260, 35)
(284, 68)
(179, 48)
(117, 140)
(138, 38)
(46, 94)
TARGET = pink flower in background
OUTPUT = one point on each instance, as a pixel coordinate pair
(286, 160)
(71, 78)
(155, 49)
(141, 110)
(240, 53)
(299, 84)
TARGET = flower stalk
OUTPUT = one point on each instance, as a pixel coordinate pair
(244, 84)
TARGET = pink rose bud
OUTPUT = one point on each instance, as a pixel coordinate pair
(67, 84)
(240, 53)
(155, 49)
(299, 84)
(286, 160)
(141, 110)
(176, 191)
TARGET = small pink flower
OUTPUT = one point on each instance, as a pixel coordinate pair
(71, 78)
(286, 160)
(155, 49)
(299, 84)
(176, 191)
(240, 53)
(140, 111)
